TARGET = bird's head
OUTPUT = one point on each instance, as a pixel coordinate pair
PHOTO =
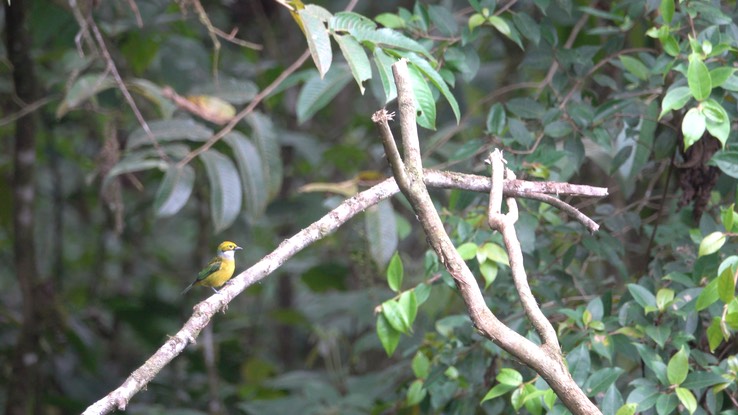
(227, 248)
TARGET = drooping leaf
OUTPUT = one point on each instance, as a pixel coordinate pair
(317, 38)
(319, 92)
(425, 104)
(435, 78)
(395, 273)
(384, 64)
(266, 140)
(251, 170)
(388, 336)
(169, 130)
(396, 316)
(174, 190)
(635, 67)
(225, 189)
(356, 57)
(381, 232)
(388, 38)
(84, 88)
(496, 119)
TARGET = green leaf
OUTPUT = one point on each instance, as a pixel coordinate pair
(557, 129)
(84, 88)
(712, 243)
(664, 297)
(496, 119)
(251, 170)
(169, 130)
(666, 8)
(635, 67)
(719, 75)
(380, 224)
(319, 91)
(496, 391)
(395, 273)
(675, 99)
(225, 189)
(476, 20)
(396, 316)
(489, 271)
(317, 38)
(349, 21)
(409, 304)
(678, 367)
(698, 78)
(435, 78)
(642, 295)
(627, 409)
(174, 190)
(726, 286)
(415, 393)
(717, 120)
(510, 377)
(425, 104)
(388, 336)
(727, 161)
(443, 19)
(467, 250)
(422, 292)
(420, 365)
(687, 399)
(504, 27)
(389, 39)
(496, 253)
(528, 27)
(354, 54)
(715, 335)
(693, 126)
(384, 66)
(390, 20)
(266, 140)
(707, 296)
(601, 380)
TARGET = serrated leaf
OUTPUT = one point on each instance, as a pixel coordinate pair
(318, 92)
(698, 78)
(265, 138)
(712, 243)
(174, 191)
(395, 273)
(356, 57)
(693, 126)
(225, 189)
(425, 104)
(318, 40)
(169, 130)
(380, 225)
(675, 99)
(678, 367)
(83, 88)
(635, 67)
(388, 336)
(251, 170)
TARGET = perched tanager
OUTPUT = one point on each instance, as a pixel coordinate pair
(219, 269)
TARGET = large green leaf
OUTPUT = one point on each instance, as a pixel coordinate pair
(384, 63)
(698, 78)
(84, 88)
(317, 37)
(317, 92)
(425, 104)
(435, 79)
(693, 126)
(389, 39)
(675, 99)
(145, 159)
(350, 21)
(169, 130)
(727, 161)
(174, 190)
(225, 189)
(678, 367)
(381, 232)
(252, 172)
(717, 120)
(266, 139)
(356, 57)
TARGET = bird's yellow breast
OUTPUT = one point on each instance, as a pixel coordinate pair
(219, 277)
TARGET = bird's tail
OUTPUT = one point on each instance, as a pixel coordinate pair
(187, 289)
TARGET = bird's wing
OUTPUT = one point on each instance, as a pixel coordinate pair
(212, 266)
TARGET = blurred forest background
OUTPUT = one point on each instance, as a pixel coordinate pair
(103, 223)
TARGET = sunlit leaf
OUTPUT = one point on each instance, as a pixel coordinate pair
(712, 243)
(693, 126)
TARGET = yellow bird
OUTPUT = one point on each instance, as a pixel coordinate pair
(219, 269)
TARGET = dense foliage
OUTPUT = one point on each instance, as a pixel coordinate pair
(133, 194)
